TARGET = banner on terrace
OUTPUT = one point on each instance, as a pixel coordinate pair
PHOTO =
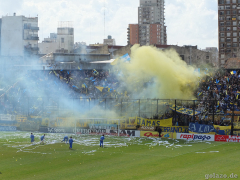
(209, 129)
(177, 129)
(181, 109)
(132, 122)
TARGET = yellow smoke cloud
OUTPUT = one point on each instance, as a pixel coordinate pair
(171, 77)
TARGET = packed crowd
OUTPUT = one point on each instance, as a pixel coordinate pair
(217, 93)
(82, 84)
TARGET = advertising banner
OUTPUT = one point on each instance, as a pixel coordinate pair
(200, 137)
(224, 138)
(209, 129)
(128, 133)
(177, 129)
(146, 128)
(90, 131)
(150, 122)
(221, 138)
(6, 117)
(21, 118)
(131, 123)
(155, 134)
(201, 128)
(103, 126)
(222, 130)
(8, 128)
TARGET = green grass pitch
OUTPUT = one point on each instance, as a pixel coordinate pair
(121, 158)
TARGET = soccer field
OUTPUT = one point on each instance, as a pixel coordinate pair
(121, 158)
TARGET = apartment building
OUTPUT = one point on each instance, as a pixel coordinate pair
(109, 41)
(228, 29)
(19, 35)
(60, 42)
(151, 29)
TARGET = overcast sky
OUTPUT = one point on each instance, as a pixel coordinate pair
(189, 22)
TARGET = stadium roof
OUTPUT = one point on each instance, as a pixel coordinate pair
(104, 62)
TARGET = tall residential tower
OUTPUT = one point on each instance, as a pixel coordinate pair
(228, 29)
(151, 29)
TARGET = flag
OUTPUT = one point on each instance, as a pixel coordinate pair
(100, 88)
(75, 86)
(125, 57)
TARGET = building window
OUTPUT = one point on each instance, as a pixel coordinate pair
(222, 29)
(234, 39)
(234, 28)
(221, 18)
(234, 34)
(182, 57)
(228, 18)
(62, 40)
(220, 7)
(228, 34)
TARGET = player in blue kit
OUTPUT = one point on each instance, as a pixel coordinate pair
(70, 143)
(32, 137)
(101, 140)
(65, 139)
(42, 139)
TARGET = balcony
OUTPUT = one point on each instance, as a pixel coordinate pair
(31, 28)
(34, 28)
(31, 37)
(31, 48)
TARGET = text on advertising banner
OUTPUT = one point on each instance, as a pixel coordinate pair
(201, 137)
